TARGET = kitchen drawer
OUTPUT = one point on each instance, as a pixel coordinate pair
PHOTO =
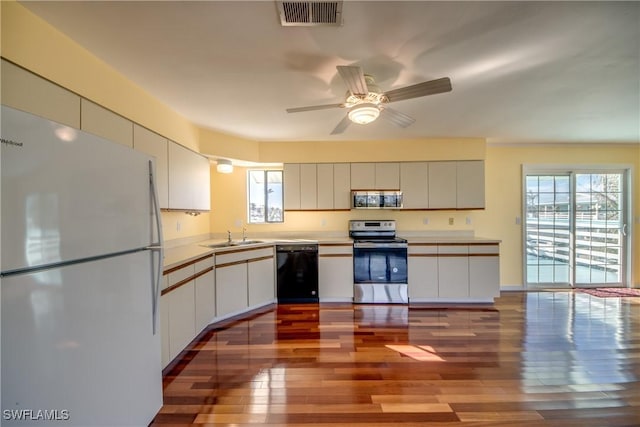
(181, 274)
(418, 249)
(242, 254)
(335, 249)
(453, 250)
(204, 264)
(484, 249)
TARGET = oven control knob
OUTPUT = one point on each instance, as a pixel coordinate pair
(395, 269)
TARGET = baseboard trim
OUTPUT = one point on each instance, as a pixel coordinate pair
(512, 288)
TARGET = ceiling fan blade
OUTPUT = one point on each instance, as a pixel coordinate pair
(396, 117)
(431, 87)
(344, 124)
(354, 79)
(314, 107)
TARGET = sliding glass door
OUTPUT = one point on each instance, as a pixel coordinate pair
(575, 232)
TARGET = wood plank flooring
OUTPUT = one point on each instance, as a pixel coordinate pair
(532, 359)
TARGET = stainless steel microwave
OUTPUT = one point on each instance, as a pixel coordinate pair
(376, 199)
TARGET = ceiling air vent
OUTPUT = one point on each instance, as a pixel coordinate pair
(310, 13)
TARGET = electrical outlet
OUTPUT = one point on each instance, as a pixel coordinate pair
(238, 223)
(467, 220)
(178, 226)
(450, 221)
(425, 220)
(518, 220)
(323, 222)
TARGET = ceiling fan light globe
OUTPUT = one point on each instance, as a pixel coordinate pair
(364, 113)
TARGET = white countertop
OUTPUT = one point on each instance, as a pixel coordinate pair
(181, 254)
(453, 239)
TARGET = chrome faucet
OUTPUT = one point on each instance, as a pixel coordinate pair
(229, 236)
(244, 235)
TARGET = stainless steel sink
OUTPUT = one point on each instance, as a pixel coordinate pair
(233, 243)
(246, 242)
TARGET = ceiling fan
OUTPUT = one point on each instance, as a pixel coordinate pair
(366, 102)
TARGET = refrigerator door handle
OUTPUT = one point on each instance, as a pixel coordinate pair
(156, 247)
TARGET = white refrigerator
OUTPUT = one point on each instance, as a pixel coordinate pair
(81, 266)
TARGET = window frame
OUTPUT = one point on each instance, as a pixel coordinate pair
(627, 171)
(265, 218)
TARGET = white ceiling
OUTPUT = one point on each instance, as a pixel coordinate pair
(520, 71)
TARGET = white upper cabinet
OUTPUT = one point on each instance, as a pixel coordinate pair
(300, 186)
(387, 176)
(25, 91)
(107, 124)
(325, 185)
(414, 184)
(308, 186)
(322, 186)
(292, 186)
(157, 146)
(470, 184)
(341, 186)
(363, 176)
(375, 176)
(442, 185)
(189, 179)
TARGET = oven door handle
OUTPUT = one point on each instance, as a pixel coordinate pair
(370, 245)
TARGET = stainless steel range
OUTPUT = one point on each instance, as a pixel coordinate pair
(379, 262)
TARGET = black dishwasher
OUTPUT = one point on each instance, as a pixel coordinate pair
(297, 272)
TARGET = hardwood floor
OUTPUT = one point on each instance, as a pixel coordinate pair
(532, 359)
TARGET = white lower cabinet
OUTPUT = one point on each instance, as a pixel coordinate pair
(335, 272)
(187, 305)
(205, 304)
(458, 272)
(484, 271)
(231, 288)
(422, 267)
(261, 281)
(245, 279)
(453, 277)
(182, 325)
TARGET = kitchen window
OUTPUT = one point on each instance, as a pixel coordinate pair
(265, 196)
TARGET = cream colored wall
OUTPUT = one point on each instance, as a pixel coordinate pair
(178, 225)
(373, 151)
(503, 179)
(227, 146)
(504, 193)
(31, 43)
